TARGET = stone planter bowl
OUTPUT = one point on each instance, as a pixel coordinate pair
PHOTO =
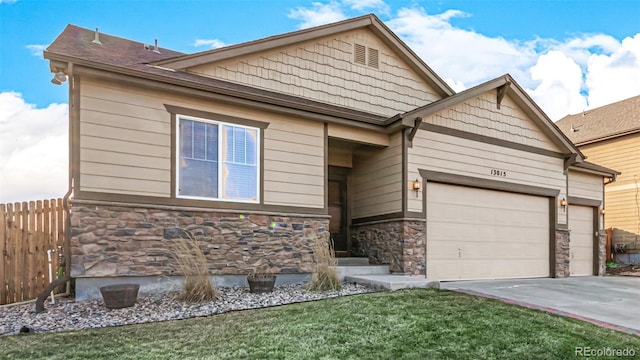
(120, 296)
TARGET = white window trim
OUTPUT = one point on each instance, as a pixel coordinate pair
(179, 118)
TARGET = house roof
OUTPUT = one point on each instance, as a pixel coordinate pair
(122, 56)
(369, 21)
(606, 122)
(508, 84)
(589, 166)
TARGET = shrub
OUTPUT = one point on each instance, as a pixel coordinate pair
(191, 262)
(324, 276)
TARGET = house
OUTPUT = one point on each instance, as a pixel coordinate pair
(341, 130)
(610, 136)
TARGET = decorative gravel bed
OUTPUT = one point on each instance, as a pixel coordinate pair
(67, 314)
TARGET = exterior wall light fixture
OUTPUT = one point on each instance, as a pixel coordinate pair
(563, 204)
(416, 185)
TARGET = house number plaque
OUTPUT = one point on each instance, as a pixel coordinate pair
(496, 172)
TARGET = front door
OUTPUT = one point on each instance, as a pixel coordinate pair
(338, 225)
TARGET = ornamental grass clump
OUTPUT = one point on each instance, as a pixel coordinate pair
(324, 276)
(191, 262)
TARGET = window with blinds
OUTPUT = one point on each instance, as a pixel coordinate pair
(216, 160)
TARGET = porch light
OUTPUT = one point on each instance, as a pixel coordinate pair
(602, 211)
(563, 204)
(416, 185)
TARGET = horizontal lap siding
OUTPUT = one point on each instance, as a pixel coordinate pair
(323, 70)
(454, 155)
(294, 164)
(622, 201)
(125, 142)
(586, 186)
(125, 145)
(377, 180)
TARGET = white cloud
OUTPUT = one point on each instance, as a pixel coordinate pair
(560, 80)
(33, 150)
(466, 57)
(318, 14)
(36, 50)
(614, 77)
(367, 5)
(213, 43)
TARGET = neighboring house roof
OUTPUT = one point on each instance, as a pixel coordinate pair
(606, 122)
(131, 58)
(502, 85)
(370, 21)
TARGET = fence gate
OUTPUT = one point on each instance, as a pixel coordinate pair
(27, 232)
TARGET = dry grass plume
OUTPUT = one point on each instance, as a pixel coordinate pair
(324, 276)
(191, 262)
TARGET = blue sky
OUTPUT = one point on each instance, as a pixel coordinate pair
(569, 55)
(177, 24)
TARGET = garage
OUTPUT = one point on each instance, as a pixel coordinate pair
(581, 245)
(475, 233)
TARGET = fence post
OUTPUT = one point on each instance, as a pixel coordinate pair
(3, 254)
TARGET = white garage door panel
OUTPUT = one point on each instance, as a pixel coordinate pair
(484, 234)
(581, 245)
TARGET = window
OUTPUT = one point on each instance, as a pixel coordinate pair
(217, 160)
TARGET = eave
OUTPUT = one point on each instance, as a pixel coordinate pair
(261, 101)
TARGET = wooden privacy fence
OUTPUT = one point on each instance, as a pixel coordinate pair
(27, 231)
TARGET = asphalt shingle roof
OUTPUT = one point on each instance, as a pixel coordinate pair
(118, 54)
(609, 121)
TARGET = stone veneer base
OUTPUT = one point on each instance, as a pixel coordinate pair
(89, 288)
(124, 240)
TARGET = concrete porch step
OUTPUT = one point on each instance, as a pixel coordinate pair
(353, 261)
(349, 270)
(393, 282)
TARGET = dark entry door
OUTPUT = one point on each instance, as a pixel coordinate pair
(338, 226)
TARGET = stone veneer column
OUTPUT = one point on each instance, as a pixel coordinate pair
(602, 252)
(132, 240)
(397, 243)
(562, 253)
(414, 252)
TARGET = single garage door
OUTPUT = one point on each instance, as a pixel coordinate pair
(485, 234)
(581, 245)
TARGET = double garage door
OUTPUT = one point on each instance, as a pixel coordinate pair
(476, 233)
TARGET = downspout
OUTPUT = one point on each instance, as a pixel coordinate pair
(611, 180)
(66, 250)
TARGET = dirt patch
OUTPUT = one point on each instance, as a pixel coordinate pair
(624, 270)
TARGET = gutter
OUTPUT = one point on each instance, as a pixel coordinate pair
(92, 68)
(66, 248)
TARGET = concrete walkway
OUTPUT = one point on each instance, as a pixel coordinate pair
(612, 302)
(393, 282)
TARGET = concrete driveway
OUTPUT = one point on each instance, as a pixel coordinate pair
(612, 302)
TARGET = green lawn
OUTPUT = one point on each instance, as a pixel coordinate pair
(410, 324)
